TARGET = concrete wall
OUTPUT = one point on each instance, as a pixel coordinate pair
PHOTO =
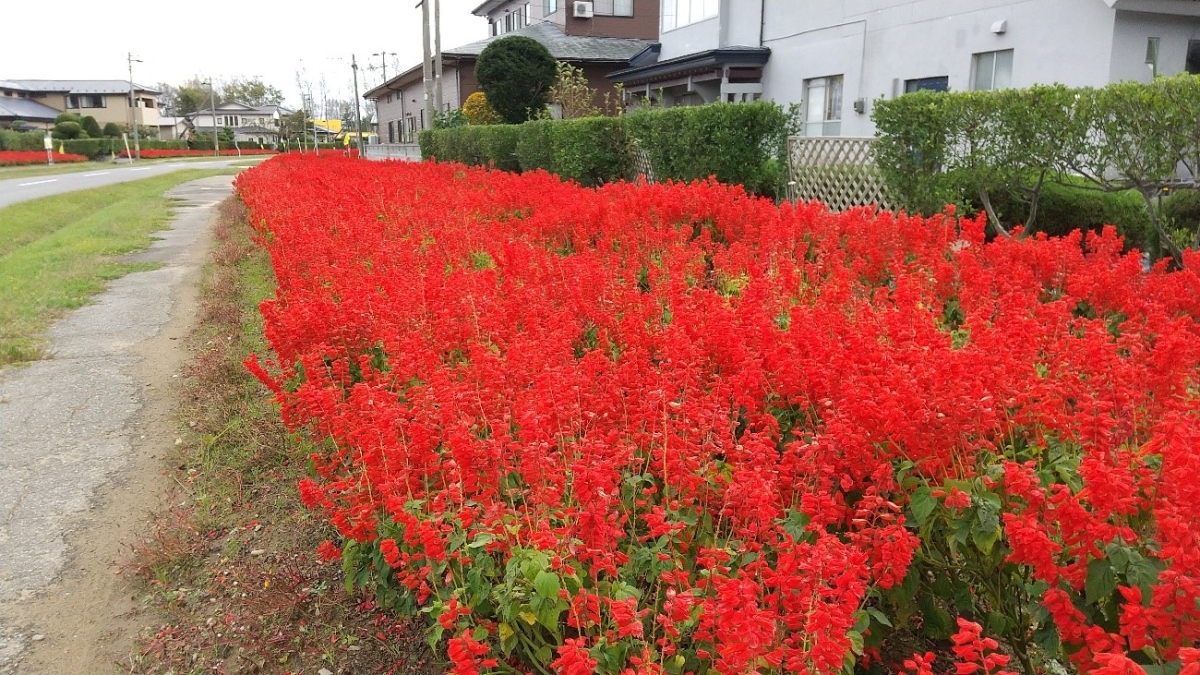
(877, 44)
(1129, 44)
(696, 37)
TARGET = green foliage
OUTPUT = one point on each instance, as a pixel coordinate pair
(516, 73)
(68, 117)
(68, 130)
(27, 141)
(573, 93)
(736, 143)
(111, 130)
(535, 146)
(251, 91)
(91, 127)
(592, 150)
(449, 118)
(742, 143)
(958, 148)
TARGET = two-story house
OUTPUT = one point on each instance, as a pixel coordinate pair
(105, 100)
(250, 124)
(599, 37)
(835, 57)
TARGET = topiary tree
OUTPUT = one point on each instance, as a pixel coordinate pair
(479, 111)
(91, 127)
(68, 130)
(112, 130)
(68, 117)
(516, 73)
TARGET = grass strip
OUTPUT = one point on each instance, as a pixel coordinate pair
(57, 252)
(231, 564)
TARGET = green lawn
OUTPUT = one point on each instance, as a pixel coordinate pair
(57, 252)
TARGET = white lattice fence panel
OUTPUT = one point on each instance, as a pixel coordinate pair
(641, 162)
(837, 171)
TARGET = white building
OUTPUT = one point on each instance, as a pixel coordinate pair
(836, 56)
(250, 124)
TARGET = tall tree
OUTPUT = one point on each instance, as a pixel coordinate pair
(251, 91)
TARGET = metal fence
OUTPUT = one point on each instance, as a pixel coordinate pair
(406, 151)
(838, 171)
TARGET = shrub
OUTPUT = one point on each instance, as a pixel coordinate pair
(25, 141)
(573, 93)
(591, 151)
(112, 130)
(479, 111)
(69, 117)
(516, 73)
(535, 145)
(741, 143)
(91, 127)
(67, 130)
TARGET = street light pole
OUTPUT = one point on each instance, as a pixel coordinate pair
(137, 146)
(383, 61)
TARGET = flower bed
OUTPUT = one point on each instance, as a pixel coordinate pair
(671, 428)
(20, 158)
(163, 154)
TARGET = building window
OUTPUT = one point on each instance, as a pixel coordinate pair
(527, 14)
(927, 84)
(229, 121)
(613, 7)
(1193, 57)
(823, 106)
(993, 70)
(391, 132)
(85, 101)
(677, 13)
(551, 7)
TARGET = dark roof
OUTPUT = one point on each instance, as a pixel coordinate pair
(561, 46)
(77, 86)
(699, 61)
(486, 7)
(564, 47)
(26, 109)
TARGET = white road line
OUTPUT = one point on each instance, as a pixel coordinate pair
(144, 168)
(98, 173)
(37, 182)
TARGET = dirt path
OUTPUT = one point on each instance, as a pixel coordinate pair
(82, 440)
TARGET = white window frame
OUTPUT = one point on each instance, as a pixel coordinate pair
(993, 61)
(680, 13)
(827, 93)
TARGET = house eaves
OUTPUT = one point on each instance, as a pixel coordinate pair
(26, 109)
(712, 59)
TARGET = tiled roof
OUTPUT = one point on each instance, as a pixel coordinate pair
(26, 109)
(81, 86)
(562, 46)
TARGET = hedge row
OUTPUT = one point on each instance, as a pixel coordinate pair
(96, 147)
(743, 143)
(939, 148)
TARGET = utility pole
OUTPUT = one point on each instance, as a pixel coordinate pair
(357, 107)
(137, 146)
(427, 67)
(437, 58)
(212, 92)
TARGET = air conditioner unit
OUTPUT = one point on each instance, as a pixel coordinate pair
(583, 10)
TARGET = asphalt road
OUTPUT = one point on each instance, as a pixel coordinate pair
(15, 190)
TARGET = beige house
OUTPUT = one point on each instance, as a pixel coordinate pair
(105, 100)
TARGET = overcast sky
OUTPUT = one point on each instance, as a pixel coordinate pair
(272, 41)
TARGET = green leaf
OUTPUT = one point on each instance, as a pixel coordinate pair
(547, 584)
(879, 616)
(923, 504)
(1101, 581)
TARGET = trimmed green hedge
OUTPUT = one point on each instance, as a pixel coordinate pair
(21, 141)
(737, 143)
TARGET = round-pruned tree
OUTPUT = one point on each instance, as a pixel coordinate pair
(91, 127)
(516, 73)
(112, 130)
(478, 110)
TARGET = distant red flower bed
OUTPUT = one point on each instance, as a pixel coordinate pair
(164, 154)
(14, 158)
